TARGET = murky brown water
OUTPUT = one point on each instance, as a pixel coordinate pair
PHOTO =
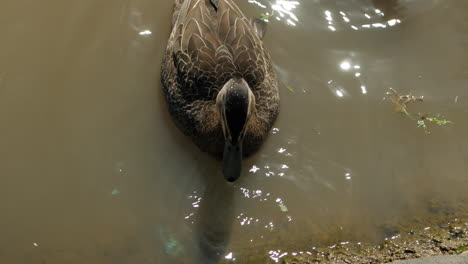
(94, 171)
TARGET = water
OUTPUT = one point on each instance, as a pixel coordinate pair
(94, 171)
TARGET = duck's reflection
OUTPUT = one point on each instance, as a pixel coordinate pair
(213, 227)
(214, 214)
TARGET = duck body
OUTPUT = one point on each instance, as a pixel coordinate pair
(215, 50)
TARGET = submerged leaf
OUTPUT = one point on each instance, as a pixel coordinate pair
(283, 207)
(115, 191)
(172, 246)
(289, 88)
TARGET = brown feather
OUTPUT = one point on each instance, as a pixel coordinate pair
(212, 42)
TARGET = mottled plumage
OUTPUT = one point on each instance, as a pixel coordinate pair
(210, 43)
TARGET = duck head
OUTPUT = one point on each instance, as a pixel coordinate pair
(236, 104)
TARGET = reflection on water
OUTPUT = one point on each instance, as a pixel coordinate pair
(348, 15)
(281, 10)
(93, 170)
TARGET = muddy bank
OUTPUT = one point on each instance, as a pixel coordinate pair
(430, 241)
(442, 231)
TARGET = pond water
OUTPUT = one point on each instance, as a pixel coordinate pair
(93, 170)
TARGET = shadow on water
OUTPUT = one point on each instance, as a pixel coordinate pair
(214, 223)
(215, 215)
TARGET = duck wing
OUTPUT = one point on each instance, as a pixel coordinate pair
(213, 42)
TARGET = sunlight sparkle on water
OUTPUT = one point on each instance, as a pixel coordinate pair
(345, 65)
(363, 89)
(246, 192)
(329, 18)
(145, 32)
(246, 221)
(348, 176)
(197, 203)
(276, 255)
(189, 215)
(257, 3)
(290, 22)
(284, 9)
(254, 169)
(393, 22)
(376, 25)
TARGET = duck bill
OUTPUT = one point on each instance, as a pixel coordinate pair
(232, 160)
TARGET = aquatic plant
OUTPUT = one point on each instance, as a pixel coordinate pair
(423, 118)
(289, 87)
(400, 103)
(266, 16)
(115, 191)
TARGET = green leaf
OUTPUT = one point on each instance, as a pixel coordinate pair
(422, 124)
(440, 122)
(460, 249)
(400, 103)
(264, 17)
(289, 88)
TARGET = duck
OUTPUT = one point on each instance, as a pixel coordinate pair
(218, 80)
